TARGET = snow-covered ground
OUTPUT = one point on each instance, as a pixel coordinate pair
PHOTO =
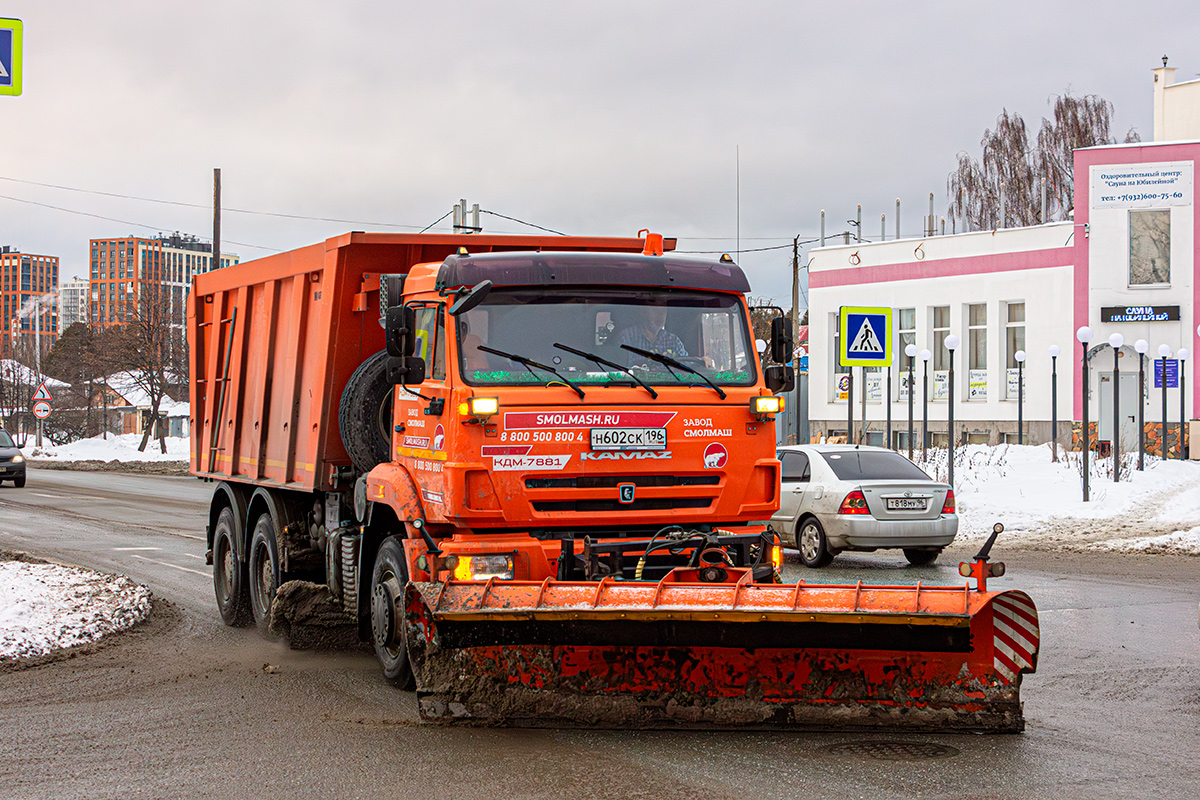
(1040, 502)
(123, 447)
(46, 607)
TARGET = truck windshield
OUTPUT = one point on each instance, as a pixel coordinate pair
(705, 331)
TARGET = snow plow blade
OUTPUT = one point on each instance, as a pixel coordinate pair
(681, 653)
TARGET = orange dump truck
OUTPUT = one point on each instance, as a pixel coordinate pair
(534, 471)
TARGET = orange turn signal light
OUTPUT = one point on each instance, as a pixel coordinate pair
(479, 407)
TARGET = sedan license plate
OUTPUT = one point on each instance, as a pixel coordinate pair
(629, 438)
(906, 503)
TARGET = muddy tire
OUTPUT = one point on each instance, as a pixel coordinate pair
(388, 580)
(230, 577)
(811, 542)
(365, 413)
(919, 558)
(263, 571)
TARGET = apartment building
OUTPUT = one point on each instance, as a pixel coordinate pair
(127, 269)
(28, 285)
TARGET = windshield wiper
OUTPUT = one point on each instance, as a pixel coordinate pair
(606, 363)
(670, 362)
(529, 362)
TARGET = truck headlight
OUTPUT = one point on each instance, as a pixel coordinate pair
(766, 406)
(479, 407)
(481, 568)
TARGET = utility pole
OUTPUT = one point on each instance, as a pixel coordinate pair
(216, 243)
(796, 326)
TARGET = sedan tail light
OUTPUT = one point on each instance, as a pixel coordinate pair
(948, 506)
(854, 503)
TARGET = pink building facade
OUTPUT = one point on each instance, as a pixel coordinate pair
(1125, 264)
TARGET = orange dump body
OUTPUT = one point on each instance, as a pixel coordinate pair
(683, 653)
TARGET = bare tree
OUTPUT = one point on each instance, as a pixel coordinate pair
(1011, 165)
(152, 353)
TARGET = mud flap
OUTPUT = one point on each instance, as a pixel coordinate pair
(744, 656)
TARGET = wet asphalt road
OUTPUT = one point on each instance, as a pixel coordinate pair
(184, 708)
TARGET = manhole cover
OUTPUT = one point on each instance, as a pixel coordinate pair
(893, 751)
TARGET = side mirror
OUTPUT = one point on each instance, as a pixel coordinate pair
(780, 378)
(472, 298)
(21, 442)
(782, 344)
(401, 321)
(406, 370)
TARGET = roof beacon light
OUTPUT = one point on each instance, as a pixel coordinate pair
(654, 244)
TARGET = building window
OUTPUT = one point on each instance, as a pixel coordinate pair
(941, 329)
(1014, 340)
(1149, 248)
(977, 351)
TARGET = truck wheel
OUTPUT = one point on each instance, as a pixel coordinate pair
(229, 574)
(388, 580)
(365, 413)
(264, 565)
(919, 558)
(811, 542)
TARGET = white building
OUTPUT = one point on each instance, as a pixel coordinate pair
(1126, 264)
(72, 303)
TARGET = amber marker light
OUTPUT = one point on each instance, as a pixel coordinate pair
(479, 407)
(766, 406)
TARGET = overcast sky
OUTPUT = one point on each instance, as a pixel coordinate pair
(596, 119)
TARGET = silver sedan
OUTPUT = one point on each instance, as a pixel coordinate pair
(847, 497)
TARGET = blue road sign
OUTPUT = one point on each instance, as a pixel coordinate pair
(10, 56)
(1172, 373)
(866, 336)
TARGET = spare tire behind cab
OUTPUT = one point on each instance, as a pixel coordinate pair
(365, 413)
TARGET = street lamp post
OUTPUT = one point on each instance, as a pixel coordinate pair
(1020, 357)
(1055, 350)
(1164, 352)
(1141, 345)
(1183, 355)
(951, 345)
(1115, 342)
(911, 352)
(925, 356)
(1084, 335)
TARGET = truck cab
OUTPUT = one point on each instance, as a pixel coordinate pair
(555, 411)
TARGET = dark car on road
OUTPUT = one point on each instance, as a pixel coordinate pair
(12, 463)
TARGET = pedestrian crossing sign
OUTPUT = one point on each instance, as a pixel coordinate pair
(866, 336)
(10, 56)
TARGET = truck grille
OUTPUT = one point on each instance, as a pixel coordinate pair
(649, 504)
(606, 481)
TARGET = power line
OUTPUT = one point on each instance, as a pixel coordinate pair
(436, 221)
(521, 222)
(751, 250)
(159, 228)
(203, 206)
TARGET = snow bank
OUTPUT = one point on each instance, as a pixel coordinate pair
(1177, 543)
(1041, 501)
(115, 448)
(46, 607)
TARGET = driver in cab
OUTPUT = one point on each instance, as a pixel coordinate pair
(648, 333)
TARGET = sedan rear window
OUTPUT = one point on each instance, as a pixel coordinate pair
(872, 465)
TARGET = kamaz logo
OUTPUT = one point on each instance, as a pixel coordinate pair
(619, 455)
